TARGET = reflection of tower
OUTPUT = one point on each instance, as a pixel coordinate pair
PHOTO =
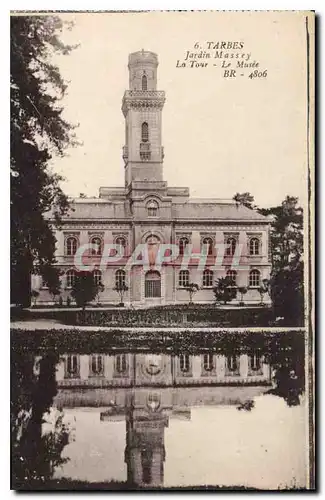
(145, 444)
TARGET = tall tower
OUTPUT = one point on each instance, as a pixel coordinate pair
(142, 108)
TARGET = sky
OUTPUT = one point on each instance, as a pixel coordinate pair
(220, 135)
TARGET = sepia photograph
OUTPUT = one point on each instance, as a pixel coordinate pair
(161, 257)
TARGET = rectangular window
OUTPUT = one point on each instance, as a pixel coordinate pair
(152, 289)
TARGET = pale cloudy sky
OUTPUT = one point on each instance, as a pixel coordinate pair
(220, 135)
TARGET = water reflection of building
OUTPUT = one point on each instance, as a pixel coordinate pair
(128, 370)
(147, 390)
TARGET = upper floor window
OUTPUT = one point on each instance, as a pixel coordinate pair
(231, 246)
(207, 277)
(120, 276)
(144, 132)
(152, 208)
(144, 83)
(208, 362)
(96, 364)
(184, 363)
(70, 278)
(72, 369)
(254, 278)
(254, 246)
(97, 274)
(208, 245)
(184, 278)
(183, 242)
(96, 245)
(232, 277)
(121, 242)
(71, 245)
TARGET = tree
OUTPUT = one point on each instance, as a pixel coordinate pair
(84, 288)
(224, 291)
(121, 288)
(245, 199)
(38, 132)
(192, 288)
(287, 279)
(263, 289)
(100, 289)
(242, 290)
(53, 282)
(34, 455)
(286, 249)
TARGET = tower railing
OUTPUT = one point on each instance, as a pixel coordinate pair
(145, 94)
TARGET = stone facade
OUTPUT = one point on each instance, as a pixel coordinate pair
(229, 238)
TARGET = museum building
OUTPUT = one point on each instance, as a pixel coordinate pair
(148, 212)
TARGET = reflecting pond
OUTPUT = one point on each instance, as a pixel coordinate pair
(120, 419)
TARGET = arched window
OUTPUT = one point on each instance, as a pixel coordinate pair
(183, 242)
(232, 363)
(232, 276)
(97, 275)
(207, 277)
(152, 284)
(207, 246)
(152, 208)
(96, 364)
(208, 362)
(72, 366)
(183, 278)
(184, 363)
(96, 245)
(144, 83)
(254, 278)
(120, 363)
(120, 276)
(71, 245)
(121, 242)
(231, 246)
(254, 246)
(255, 362)
(144, 132)
(70, 278)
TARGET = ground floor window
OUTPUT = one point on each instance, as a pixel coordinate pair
(96, 364)
(72, 366)
(208, 362)
(184, 363)
(152, 284)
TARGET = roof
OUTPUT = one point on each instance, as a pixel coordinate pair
(191, 209)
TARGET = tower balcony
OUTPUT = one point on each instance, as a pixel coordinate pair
(145, 94)
(145, 151)
(142, 99)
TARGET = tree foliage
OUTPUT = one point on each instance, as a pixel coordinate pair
(245, 199)
(192, 288)
(224, 291)
(35, 454)
(287, 276)
(121, 289)
(84, 288)
(38, 132)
